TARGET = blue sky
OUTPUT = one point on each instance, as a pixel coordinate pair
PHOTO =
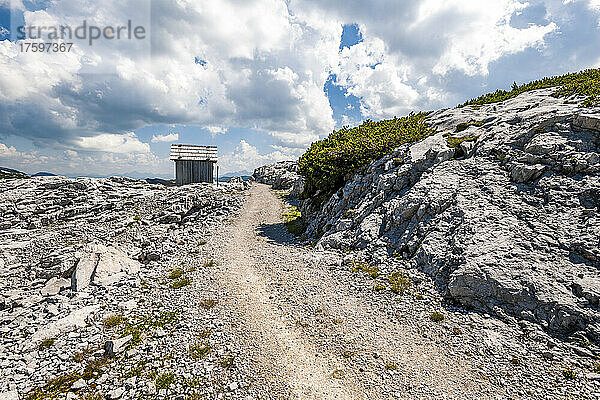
(261, 79)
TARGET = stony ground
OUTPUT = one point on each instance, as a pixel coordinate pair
(228, 305)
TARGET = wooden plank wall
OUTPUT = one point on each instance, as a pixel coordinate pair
(193, 172)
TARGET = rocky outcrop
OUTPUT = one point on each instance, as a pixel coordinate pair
(76, 251)
(504, 215)
(282, 175)
(102, 265)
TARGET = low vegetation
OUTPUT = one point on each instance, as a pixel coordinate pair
(208, 303)
(138, 326)
(227, 362)
(357, 265)
(293, 222)
(463, 126)
(46, 343)
(199, 350)
(568, 373)
(391, 366)
(399, 283)
(585, 83)
(179, 283)
(113, 320)
(454, 142)
(62, 383)
(436, 316)
(330, 162)
(176, 273)
(163, 381)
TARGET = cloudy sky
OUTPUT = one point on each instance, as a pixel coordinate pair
(261, 79)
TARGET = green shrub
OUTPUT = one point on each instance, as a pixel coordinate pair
(180, 283)
(163, 381)
(399, 283)
(176, 273)
(199, 350)
(330, 162)
(585, 83)
(436, 316)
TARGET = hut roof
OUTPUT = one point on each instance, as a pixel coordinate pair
(190, 152)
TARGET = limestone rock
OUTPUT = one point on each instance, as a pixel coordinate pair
(508, 224)
(101, 265)
(77, 319)
(54, 286)
(114, 347)
(282, 175)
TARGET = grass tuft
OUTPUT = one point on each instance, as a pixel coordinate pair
(208, 303)
(455, 143)
(46, 343)
(199, 350)
(180, 283)
(391, 366)
(163, 381)
(436, 316)
(399, 283)
(113, 320)
(568, 373)
(357, 265)
(176, 273)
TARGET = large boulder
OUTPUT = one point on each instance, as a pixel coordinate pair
(101, 265)
(282, 175)
(503, 215)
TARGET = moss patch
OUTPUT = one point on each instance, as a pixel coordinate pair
(175, 274)
(465, 125)
(163, 381)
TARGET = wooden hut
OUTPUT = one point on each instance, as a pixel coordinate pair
(193, 163)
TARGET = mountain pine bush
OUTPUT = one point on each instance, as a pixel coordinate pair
(585, 83)
(330, 162)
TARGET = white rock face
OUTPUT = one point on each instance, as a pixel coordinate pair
(507, 222)
(54, 286)
(76, 319)
(282, 175)
(102, 265)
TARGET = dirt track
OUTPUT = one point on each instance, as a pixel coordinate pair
(310, 335)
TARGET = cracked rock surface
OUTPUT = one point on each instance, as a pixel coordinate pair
(503, 213)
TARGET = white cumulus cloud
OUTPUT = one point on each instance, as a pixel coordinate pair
(171, 137)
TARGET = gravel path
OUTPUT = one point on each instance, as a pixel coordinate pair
(311, 336)
(228, 305)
